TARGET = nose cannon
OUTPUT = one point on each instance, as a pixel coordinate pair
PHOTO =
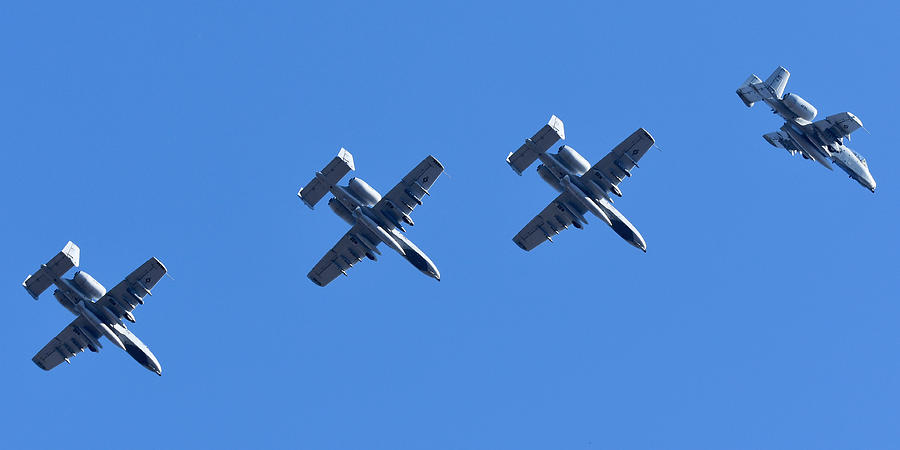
(138, 350)
(417, 257)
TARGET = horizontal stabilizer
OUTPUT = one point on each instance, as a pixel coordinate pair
(539, 143)
(749, 92)
(328, 177)
(754, 89)
(751, 80)
(55, 268)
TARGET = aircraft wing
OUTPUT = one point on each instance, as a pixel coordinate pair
(130, 292)
(548, 135)
(617, 164)
(557, 216)
(782, 140)
(400, 201)
(68, 343)
(348, 251)
(838, 126)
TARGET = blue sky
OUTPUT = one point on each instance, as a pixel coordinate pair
(763, 315)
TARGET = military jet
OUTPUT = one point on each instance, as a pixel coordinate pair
(582, 188)
(374, 219)
(96, 319)
(819, 140)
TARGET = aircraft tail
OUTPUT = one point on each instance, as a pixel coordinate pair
(339, 166)
(754, 89)
(61, 263)
(778, 80)
(539, 143)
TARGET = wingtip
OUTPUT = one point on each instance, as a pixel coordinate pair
(315, 281)
(435, 160)
(646, 133)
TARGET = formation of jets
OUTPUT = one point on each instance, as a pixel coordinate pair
(376, 219)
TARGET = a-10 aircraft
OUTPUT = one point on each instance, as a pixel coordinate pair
(819, 140)
(96, 319)
(582, 188)
(374, 218)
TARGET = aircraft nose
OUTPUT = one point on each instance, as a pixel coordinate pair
(868, 184)
(154, 366)
(640, 243)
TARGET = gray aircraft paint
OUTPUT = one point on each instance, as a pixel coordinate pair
(373, 218)
(582, 188)
(99, 312)
(821, 141)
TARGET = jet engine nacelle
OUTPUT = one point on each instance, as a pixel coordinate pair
(548, 176)
(800, 107)
(63, 299)
(88, 285)
(341, 210)
(363, 192)
(573, 161)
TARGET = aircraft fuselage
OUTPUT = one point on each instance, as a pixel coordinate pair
(354, 211)
(77, 295)
(819, 147)
(592, 197)
(855, 166)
